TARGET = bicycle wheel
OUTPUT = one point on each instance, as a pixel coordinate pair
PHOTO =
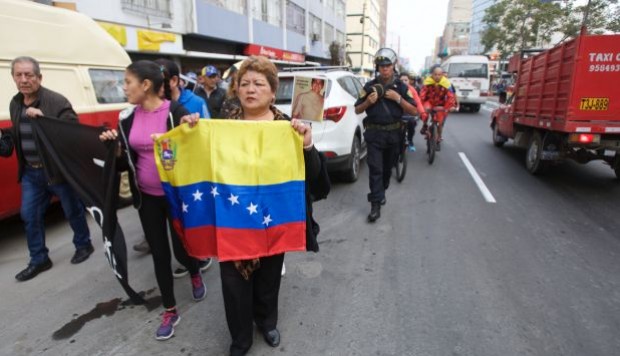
(432, 143)
(401, 165)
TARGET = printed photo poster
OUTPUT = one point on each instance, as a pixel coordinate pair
(308, 98)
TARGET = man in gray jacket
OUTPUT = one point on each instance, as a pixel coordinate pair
(40, 178)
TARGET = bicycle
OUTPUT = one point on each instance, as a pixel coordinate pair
(401, 161)
(432, 134)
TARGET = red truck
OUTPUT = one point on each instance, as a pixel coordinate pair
(565, 105)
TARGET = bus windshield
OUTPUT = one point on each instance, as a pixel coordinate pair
(468, 70)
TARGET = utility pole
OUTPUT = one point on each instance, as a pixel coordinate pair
(363, 21)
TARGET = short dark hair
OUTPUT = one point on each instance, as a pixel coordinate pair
(152, 71)
(433, 68)
(35, 64)
(261, 65)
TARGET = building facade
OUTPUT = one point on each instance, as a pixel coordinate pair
(479, 8)
(363, 34)
(221, 32)
(383, 10)
(456, 32)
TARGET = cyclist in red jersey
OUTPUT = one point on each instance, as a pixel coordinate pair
(436, 92)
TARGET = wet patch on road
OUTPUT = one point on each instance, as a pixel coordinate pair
(108, 308)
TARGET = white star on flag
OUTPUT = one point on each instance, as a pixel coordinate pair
(267, 220)
(214, 192)
(185, 206)
(234, 199)
(197, 195)
(252, 208)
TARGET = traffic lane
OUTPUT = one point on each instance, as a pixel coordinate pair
(401, 285)
(591, 187)
(560, 253)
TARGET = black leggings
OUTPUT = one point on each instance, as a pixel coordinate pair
(153, 216)
(411, 124)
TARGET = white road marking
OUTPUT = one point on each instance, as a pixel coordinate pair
(486, 193)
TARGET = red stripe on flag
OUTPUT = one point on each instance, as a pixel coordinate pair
(229, 244)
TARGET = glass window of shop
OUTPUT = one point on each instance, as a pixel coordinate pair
(295, 18)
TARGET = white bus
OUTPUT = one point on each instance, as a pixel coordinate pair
(470, 77)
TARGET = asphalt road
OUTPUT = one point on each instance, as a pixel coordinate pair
(443, 272)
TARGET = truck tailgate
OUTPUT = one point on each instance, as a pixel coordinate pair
(595, 94)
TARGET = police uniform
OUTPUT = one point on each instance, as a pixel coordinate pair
(382, 135)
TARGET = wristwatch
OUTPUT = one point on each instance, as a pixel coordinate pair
(399, 99)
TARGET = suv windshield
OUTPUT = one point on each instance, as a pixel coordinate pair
(467, 70)
(284, 95)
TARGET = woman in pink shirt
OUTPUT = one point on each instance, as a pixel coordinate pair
(152, 115)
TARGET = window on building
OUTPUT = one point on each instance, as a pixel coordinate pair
(372, 43)
(159, 8)
(237, 6)
(295, 18)
(329, 4)
(340, 37)
(267, 11)
(340, 9)
(315, 28)
(329, 33)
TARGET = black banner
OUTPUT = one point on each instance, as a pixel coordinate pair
(89, 166)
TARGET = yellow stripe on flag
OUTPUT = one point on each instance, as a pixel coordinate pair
(233, 152)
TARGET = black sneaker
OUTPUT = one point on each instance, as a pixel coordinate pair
(179, 272)
(182, 272)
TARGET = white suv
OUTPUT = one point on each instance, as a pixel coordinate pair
(341, 134)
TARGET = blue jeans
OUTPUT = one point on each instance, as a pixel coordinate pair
(36, 197)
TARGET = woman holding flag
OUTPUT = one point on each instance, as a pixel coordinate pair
(143, 82)
(251, 287)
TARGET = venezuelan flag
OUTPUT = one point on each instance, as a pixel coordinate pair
(236, 188)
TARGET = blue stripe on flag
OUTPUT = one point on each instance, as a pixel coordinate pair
(234, 206)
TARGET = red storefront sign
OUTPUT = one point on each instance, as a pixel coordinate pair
(273, 53)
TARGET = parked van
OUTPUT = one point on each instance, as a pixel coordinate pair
(470, 77)
(78, 58)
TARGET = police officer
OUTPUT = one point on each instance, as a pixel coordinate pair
(385, 99)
